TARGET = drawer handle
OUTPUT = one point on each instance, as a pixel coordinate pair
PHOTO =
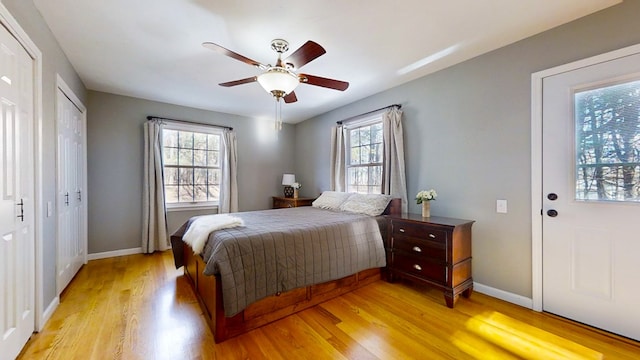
(401, 230)
(417, 249)
(417, 267)
(432, 236)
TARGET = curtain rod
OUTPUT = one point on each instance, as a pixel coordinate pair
(188, 122)
(369, 112)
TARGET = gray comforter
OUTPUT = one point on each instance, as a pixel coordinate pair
(282, 249)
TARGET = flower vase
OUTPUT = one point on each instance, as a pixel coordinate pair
(426, 209)
(296, 193)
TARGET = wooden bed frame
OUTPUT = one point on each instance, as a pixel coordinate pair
(208, 290)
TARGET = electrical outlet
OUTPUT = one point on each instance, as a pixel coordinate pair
(501, 206)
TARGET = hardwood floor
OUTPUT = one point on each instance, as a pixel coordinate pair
(141, 307)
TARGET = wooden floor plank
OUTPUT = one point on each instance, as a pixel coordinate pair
(141, 307)
(326, 324)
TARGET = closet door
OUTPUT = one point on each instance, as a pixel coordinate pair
(17, 254)
(71, 190)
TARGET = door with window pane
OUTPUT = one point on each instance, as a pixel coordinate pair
(591, 189)
(365, 156)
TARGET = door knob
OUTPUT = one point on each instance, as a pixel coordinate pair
(552, 196)
(552, 213)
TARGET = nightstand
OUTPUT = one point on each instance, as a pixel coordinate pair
(283, 202)
(434, 251)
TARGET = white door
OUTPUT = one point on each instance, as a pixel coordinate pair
(591, 195)
(71, 192)
(17, 254)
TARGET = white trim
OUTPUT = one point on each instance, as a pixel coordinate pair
(185, 126)
(66, 90)
(115, 253)
(536, 192)
(536, 158)
(16, 30)
(62, 85)
(173, 207)
(363, 120)
(49, 311)
(503, 295)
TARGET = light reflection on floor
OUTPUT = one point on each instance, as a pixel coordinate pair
(173, 335)
(492, 335)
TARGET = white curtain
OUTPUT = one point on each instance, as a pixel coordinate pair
(154, 220)
(229, 180)
(394, 180)
(338, 159)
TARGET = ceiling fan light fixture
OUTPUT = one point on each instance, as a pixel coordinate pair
(278, 81)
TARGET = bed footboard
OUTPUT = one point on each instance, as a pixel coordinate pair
(208, 290)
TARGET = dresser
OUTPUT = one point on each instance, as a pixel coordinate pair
(284, 202)
(434, 251)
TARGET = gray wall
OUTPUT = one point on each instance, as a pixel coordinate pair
(54, 61)
(115, 145)
(467, 134)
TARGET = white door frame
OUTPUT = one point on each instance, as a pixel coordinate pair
(536, 159)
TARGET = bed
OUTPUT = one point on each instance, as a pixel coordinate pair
(233, 310)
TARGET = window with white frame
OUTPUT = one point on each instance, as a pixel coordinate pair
(364, 142)
(192, 157)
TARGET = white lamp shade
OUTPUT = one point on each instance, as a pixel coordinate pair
(278, 79)
(288, 179)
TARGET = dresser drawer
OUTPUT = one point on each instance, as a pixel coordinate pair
(418, 230)
(421, 267)
(420, 247)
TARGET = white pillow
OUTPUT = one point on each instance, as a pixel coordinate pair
(369, 204)
(331, 200)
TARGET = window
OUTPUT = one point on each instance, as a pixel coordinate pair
(191, 159)
(364, 156)
(607, 120)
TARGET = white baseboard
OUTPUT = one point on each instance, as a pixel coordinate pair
(503, 295)
(110, 254)
(48, 312)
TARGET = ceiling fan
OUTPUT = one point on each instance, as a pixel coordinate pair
(281, 79)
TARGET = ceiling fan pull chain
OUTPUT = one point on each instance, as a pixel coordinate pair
(279, 114)
(278, 117)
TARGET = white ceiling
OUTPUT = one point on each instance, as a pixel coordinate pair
(152, 49)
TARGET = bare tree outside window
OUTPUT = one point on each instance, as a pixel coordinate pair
(607, 125)
(191, 166)
(364, 164)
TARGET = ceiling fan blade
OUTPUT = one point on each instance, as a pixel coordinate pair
(229, 53)
(290, 98)
(324, 82)
(239, 82)
(305, 54)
